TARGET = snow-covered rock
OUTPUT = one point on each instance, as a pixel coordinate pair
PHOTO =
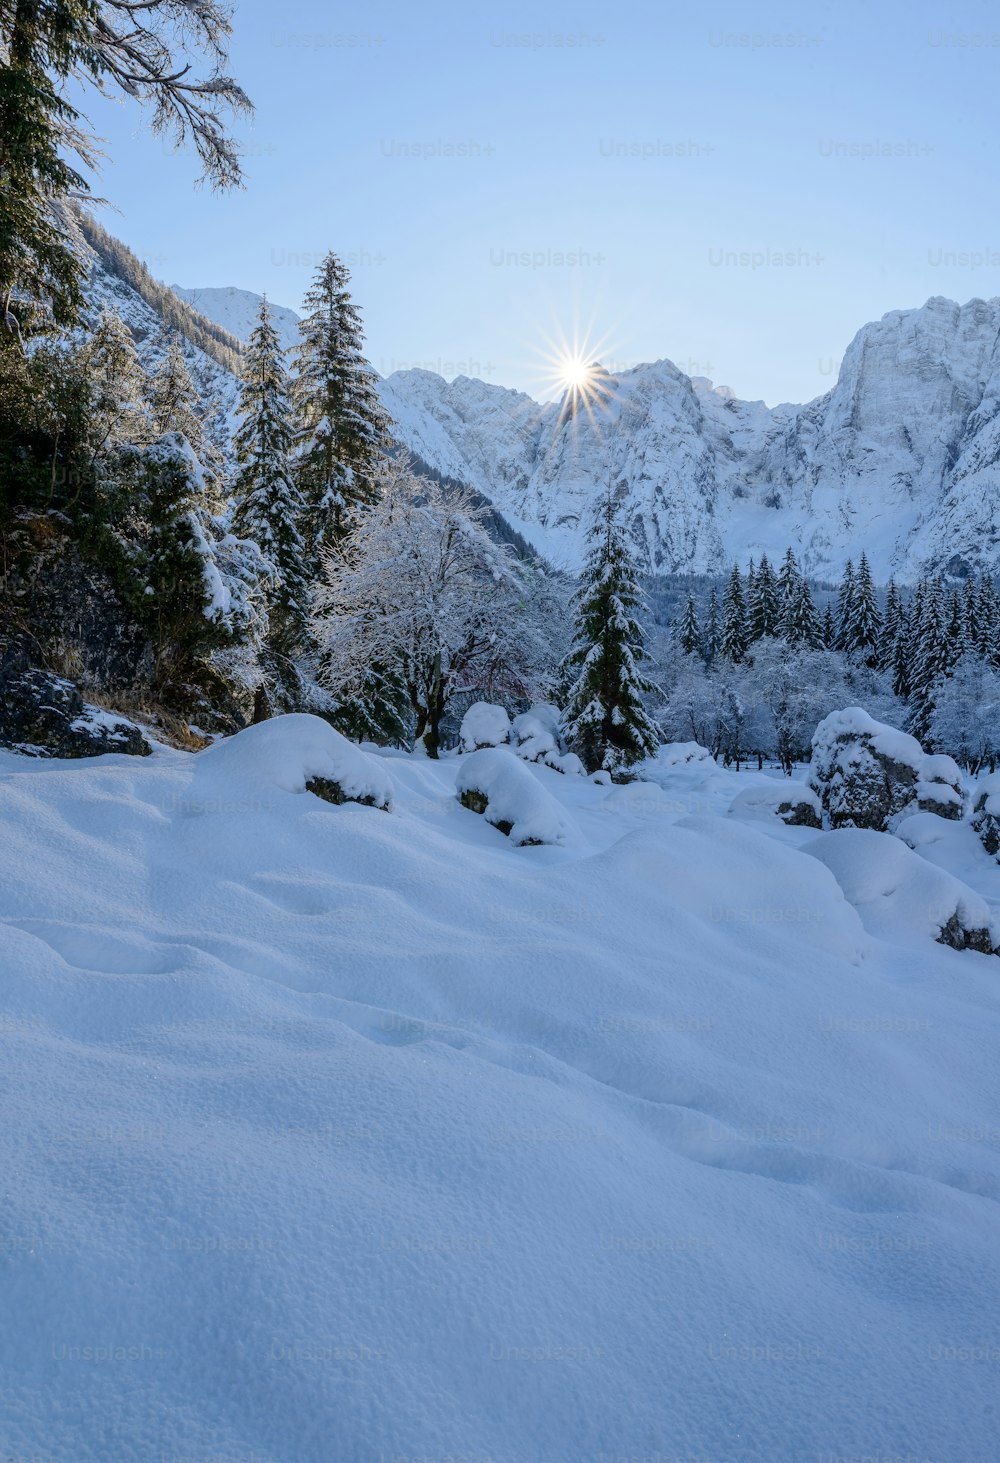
(683, 754)
(533, 740)
(44, 715)
(901, 895)
(498, 785)
(866, 773)
(299, 753)
(484, 725)
(793, 802)
(986, 813)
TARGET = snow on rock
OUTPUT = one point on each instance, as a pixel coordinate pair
(986, 813)
(865, 772)
(533, 739)
(496, 784)
(299, 753)
(44, 715)
(484, 725)
(681, 754)
(900, 896)
(939, 789)
(793, 802)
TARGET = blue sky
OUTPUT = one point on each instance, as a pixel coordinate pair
(737, 188)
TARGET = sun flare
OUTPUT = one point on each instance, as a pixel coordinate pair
(575, 373)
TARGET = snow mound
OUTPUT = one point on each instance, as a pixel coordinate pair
(290, 752)
(484, 725)
(682, 754)
(533, 739)
(793, 802)
(494, 783)
(900, 896)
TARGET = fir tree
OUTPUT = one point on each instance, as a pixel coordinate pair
(930, 659)
(829, 630)
(802, 624)
(120, 411)
(343, 429)
(733, 643)
(605, 721)
(891, 622)
(789, 579)
(763, 602)
(988, 643)
(690, 633)
(269, 506)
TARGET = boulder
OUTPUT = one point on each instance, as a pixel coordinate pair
(44, 715)
(496, 784)
(986, 814)
(865, 773)
(484, 725)
(794, 803)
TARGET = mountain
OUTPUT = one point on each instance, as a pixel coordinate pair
(900, 458)
(236, 311)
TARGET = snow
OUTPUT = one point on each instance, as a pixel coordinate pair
(886, 740)
(899, 895)
(287, 752)
(762, 800)
(484, 725)
(514, 796)
(334, 1134)
(237, 311)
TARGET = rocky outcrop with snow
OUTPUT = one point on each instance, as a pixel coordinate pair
(869, 774)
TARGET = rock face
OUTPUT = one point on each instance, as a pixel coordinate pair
(899, 458)
(44, 715)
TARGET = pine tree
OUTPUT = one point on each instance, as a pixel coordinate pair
(733, 643)
(763, 602)
(690, 633)
(829, 630)
(712, 639)
(605, 721)
(269, 506)
(862, 627)
(343, 429)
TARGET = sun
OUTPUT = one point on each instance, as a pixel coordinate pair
(574, 373)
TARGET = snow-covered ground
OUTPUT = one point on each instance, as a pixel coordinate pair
(337, 1134)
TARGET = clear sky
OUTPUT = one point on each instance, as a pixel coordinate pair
(738, 188)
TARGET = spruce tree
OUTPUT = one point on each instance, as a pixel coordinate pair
(789, 579)
(802, 624)
(988, 643)
(829, 629)
(845, 608)
(863, 625)
(733, 643)
(712, 639)
(120, 411)
(690, 632)
(343, 429)
(605, 721)
(763, 602)
(269, 506)
(930, 660)
(891, 622)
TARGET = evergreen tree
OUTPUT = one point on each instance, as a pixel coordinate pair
(829, 630)
(135, 46)
(930, 660)
(763, 602)
(970, 613)
(862, 627)
(269, 507)
(789, 579)
(120, 412)
(690, 633)
(802, 624)
(733, 643)
(712, 639)
(957, 640)
(845, 608)
(988, 643)
(343, 429)
(605, 721)
(891, 623)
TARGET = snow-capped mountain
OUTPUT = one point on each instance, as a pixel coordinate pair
(236, 311)
(899, 458)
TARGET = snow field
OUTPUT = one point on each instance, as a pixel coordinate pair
(338, 1134)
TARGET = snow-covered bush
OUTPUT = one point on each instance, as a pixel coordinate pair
(899, 893)
(792, 802)
(496, 784)
(300, 753)
(484, 725)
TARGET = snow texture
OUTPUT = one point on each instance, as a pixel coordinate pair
(331, 1135)
(791, 801)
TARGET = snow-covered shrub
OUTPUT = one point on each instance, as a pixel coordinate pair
(865, 773)
(986, 813)
(484, 725)
(792, 802)
(900, 894)
(494, 783)
(300, 753)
